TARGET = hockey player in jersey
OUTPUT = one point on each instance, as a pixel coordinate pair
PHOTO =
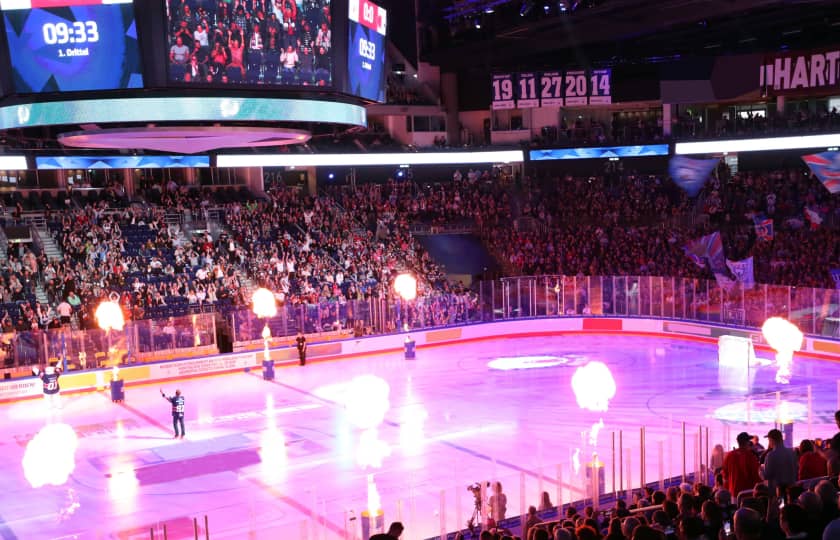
(177, 402)
(49, 378)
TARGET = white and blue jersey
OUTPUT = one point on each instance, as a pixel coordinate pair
(50, 381)
(177, 405)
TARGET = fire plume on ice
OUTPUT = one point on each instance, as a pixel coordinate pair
(50, 456)
(594, 386)
(785, 338)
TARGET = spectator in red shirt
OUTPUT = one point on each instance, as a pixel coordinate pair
(740, 466)
(811, 464)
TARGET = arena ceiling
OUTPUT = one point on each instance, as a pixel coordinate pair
(611, 32)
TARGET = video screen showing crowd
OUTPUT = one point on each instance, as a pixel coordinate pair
(250, 42)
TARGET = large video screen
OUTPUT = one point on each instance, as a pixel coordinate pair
(366, 50)
(72, 45)
(254, 42)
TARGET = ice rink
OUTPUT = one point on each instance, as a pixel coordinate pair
(291, 458)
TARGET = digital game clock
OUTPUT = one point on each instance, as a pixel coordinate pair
(72, 45)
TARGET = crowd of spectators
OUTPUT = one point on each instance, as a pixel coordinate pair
(798, 119)
(133, 256)
(475, 197)
(347, 244)
(18, 278)
(311, 250)
(594, 226)
(801, 252)
(639, 224)
(355, 242)
(760, 492)
(284, 42)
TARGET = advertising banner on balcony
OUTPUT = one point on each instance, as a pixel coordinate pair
(826, 167)
(801, 72)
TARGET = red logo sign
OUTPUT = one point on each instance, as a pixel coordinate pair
(369, 15)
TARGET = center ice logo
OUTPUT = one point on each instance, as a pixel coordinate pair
(508, 363)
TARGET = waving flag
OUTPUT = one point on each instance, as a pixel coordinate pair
(826, 167)
(707, 248)
(691, 174)
(743, 272)
(717, 260)
(764, 228)
(696, 251)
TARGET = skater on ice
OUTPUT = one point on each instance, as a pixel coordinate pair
(177, 402)
(52, 391)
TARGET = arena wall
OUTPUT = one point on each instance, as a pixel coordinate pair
(154, 373)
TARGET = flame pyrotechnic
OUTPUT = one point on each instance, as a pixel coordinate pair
(367, 401)
(50, 457)
(593, 432)
(405, 285)
(785, 338)
(374, 503)
(594, 386)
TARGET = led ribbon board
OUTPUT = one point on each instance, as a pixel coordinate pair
(180, 109)
(120, 162)
(600, 152)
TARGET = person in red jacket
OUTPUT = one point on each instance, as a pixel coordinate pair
(740, 467)
(811, 464)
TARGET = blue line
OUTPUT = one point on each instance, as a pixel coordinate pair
(6, 531)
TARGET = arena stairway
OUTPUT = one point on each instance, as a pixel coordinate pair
(52, 251)
(50, 247)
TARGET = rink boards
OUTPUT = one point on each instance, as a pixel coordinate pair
(27, 388)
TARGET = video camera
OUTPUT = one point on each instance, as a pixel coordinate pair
(475, 488)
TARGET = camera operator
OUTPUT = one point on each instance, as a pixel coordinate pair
(475, 520)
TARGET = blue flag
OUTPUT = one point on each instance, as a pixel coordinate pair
(691, 174)
(826, 167)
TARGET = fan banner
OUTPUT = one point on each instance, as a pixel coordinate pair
(743, 272)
